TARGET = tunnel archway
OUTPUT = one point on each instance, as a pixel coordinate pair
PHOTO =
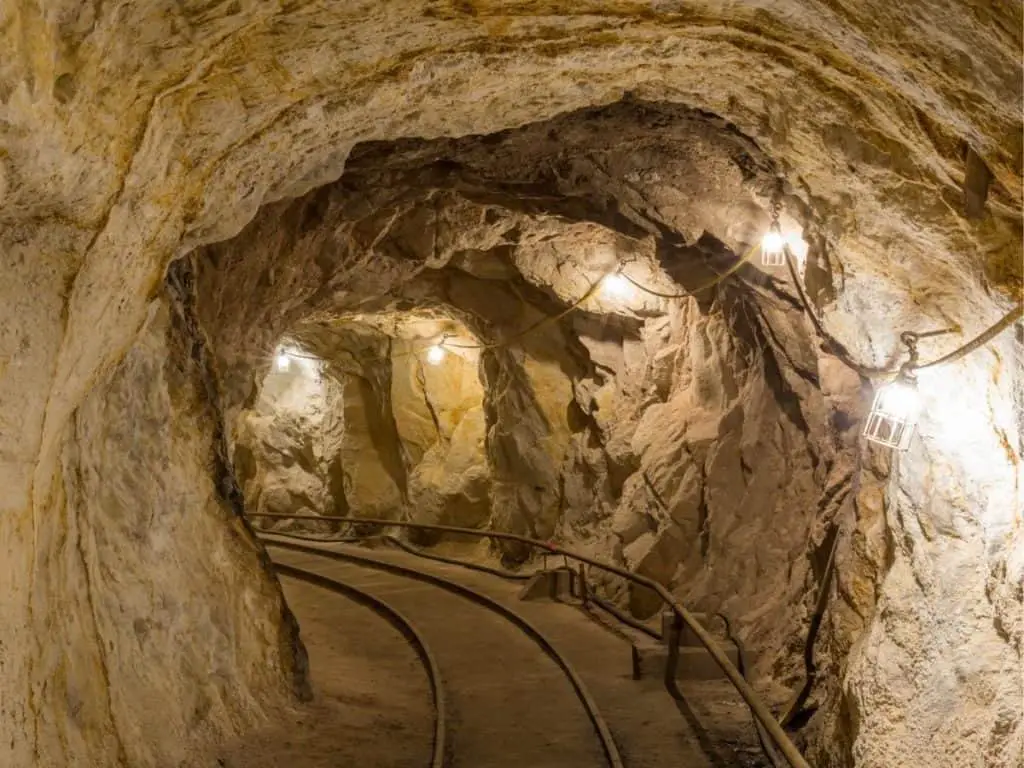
(645, 387)
(269, 169)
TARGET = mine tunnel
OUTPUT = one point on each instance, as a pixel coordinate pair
(496, 385)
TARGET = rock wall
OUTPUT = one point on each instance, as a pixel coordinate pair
(396, 437)
(935, 578)
(438, 411)
(710, 442)
(285, 447)
(714, 449)
(165, 632)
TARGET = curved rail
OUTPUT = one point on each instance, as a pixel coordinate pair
(757, 707)
(604, 605)
(407, 628)
(603, 732)
(406, 547)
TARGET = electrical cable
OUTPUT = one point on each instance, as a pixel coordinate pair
(843, 354)
(594, 288)
(820, 606)
(831, 343)
(547, 319)
(700, 289)
(978, 341)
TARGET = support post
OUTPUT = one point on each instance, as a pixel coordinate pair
(675, 629)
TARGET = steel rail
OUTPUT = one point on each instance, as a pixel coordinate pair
(624, 617)
(408, 630)
(590, 598)
(502, 573)
(757, 707)
(405, 546)
(600, 726)
(479, 567)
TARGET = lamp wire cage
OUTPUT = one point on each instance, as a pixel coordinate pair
(773, 250)
(894, 411)
(893, 416)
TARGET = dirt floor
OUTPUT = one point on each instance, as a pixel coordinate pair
(371, 703)
(509, 705)
(710, 728)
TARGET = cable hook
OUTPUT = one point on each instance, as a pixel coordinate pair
(775, 205)
(911, 338)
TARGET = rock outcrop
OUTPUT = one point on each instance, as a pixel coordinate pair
(140, 676)
(392, 436)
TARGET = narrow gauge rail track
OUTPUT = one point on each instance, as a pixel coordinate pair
(773, 736)
(495, 667)
(407, 629)
(609, 608)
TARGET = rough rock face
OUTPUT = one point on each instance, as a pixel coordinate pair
(438, 412)
(284, 447)
(397, 437)
(149, 672)
(129, 135)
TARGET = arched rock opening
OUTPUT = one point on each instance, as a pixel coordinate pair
(899, 130)
(705, 440)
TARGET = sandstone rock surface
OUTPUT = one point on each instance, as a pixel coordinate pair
(710, 441)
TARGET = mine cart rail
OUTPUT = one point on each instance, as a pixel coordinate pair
(515, 618)
(407, 629)
(758, 708)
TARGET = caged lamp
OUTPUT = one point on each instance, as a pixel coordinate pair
(773, 247)
(435, 354)
(615, 286)
(894, 412)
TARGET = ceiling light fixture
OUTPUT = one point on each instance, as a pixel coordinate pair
(282, 362)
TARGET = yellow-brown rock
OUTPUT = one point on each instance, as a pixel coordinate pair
(135, 134)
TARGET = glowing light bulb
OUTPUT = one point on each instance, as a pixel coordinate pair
(615, 286)
(772, 248)
(282, 361)
(435, 354)
(894, 414)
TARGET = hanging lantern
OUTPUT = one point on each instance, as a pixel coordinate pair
(282, 362)
(894, 412)
(773, 247)
(773, 244)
